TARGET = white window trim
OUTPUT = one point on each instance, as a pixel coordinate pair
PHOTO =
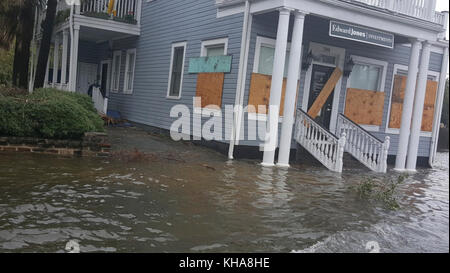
(215, 42)
(395, 131)
(381, 84)
(113, 71)
(175, 45)
(127, 63)
(260, 41)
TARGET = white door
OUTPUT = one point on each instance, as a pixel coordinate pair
(87, 75)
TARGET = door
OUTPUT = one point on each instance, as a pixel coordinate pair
(87, 75)
(324, 57)
(319, 77)
(105, 77)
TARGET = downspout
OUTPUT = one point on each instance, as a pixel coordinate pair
(438, 111)
(240, 88)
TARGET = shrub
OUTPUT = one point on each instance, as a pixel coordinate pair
(48, 113)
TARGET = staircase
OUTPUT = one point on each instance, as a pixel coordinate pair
(319, 142)
(329, 149)
(363, 146)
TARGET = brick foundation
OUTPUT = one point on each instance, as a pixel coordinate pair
(93, 144)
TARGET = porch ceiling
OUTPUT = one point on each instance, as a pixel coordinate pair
(99, 35)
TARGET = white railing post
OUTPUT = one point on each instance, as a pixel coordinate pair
(382, 162)
(390, 4)
(340, 152)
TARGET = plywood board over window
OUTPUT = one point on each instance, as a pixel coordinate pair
(260, 93)
(364, 106)
(398, 94)
(209, 88)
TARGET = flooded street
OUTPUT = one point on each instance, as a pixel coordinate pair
(191, 199)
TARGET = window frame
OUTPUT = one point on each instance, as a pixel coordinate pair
(173, 47)
(395, 131)
(127, 64)
(212, 43)
(113, 71)
(260, 41)
(381, 83)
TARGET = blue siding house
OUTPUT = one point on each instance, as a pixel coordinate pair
(332, 76)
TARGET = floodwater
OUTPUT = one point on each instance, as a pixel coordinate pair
(186, 198)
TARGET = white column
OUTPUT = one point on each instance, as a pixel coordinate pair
(408, 102)
(295, 60)
(74, 59)
(55, 61)
(275, 89)
(65, 45)
(419, 101)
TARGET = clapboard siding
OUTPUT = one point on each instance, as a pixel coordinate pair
(164, 23)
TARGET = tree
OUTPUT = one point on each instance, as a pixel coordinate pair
(17, 21)
(47, 30)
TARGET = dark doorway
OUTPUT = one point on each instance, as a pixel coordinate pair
(104, 82)
(319, 77)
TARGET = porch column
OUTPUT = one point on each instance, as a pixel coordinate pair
(295, 59)
(408, 102)
(74, 59)
(65, 45)
(271, 137)
(419, 101)
(55, 61)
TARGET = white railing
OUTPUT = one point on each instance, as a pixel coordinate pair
(127, 11)
(363, 146)
(422, 9)
(319, 142)
(100, 102)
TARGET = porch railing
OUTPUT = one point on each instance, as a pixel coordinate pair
(319, 142)
(126, 11)
(363, 146)
(422, 9)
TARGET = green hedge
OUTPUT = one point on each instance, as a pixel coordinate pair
(48, 113)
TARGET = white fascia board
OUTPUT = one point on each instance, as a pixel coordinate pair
(107, 25)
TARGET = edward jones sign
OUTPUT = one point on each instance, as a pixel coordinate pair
(361, 34)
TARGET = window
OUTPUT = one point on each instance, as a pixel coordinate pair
(216, 47)
(117, 59)
(367, 74)
(176, 70)
(129, 71)
(264, 55)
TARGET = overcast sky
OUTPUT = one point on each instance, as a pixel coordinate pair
(442, 5)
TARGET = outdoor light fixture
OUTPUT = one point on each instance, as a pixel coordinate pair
(348, 67)
(307, 61)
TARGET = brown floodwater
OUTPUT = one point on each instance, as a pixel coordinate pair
(186, 198)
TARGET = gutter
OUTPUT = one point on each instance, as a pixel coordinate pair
(438, 110)
(241, 81)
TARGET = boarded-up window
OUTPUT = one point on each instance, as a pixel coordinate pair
(209, 88)
(398, 94)
(364, 106)
(260, 93)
